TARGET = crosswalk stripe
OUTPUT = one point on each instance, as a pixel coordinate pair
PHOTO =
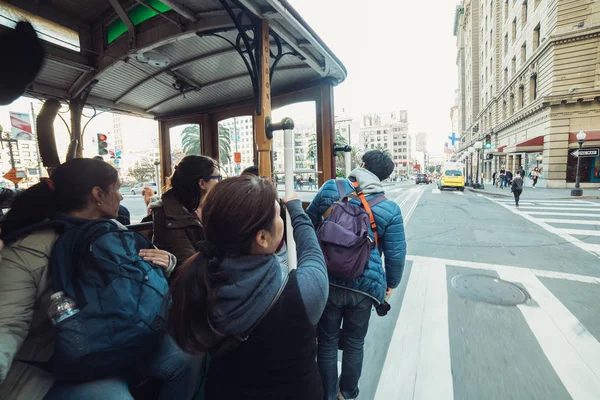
(571, 349)
(559, 213)
(419, 352)
(570, 221)
(579, 232)
(458, 193)
(596, 209)
(436, 191)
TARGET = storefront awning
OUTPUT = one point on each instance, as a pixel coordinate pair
(528, 146)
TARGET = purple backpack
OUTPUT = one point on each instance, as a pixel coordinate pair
(344, 236)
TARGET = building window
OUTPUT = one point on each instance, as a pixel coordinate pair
(514, 30)
(506, 44)
(523, 54)
(506, 10)
(511, 104)
(491, 36)
(536, 3)
(536, 37)
(505, 75)
(504, 109)
(521, 96)
(533, 87)
(513, 66)
(524, 13)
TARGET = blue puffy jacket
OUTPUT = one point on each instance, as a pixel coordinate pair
(392, 243)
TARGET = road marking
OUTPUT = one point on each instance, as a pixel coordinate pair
(458, 193)
(436, 191)
(571, 349)
(419, 352)
(395, 190)
(577, 208)
(579, 232)
(569, 221)
(559, 213)
(411, 211)
(499, 267)
(592, 249)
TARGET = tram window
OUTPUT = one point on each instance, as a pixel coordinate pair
(236, 136)
(185, 141)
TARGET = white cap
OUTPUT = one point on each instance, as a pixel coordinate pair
(57, 295)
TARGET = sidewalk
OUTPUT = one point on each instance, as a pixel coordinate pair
(538, 193)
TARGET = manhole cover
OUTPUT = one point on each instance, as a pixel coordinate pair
(489, 289)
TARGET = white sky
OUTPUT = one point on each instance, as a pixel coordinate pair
(399, 55)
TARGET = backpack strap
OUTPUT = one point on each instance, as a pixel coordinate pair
(367, 207)
(339, 183)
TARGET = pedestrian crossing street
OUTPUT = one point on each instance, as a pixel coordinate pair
(576, 221)
(446, 347)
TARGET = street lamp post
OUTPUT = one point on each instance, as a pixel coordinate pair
(538, 160)
(471, 152)
(578, 191)
(478, 147)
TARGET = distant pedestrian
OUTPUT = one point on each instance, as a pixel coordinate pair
(502, 179)
(494, 175)
(516, 188)
(311, 182)
(521, 171)
(534, 176)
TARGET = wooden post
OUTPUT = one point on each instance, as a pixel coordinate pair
(209, 136)
(76, 108)
(164, 139)
(263, 144)
(325, 133)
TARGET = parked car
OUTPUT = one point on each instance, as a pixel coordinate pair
(138, 188)
(421, 178)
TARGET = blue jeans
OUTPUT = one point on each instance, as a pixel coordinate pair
(179, 371)
(350, 311)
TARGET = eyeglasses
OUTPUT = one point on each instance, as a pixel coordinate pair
(219, 178)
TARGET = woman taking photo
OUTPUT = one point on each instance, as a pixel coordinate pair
(81, 194)
(233, 301)
(176, 218)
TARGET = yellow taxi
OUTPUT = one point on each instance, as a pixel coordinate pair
(452, 178)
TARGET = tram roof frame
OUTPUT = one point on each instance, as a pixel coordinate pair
(116, 81)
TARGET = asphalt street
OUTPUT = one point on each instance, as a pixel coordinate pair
(526, 323)
(495, 303)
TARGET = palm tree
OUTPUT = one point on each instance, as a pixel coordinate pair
(190, 142)
(339, 141)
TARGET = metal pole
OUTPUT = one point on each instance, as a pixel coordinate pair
(348, 162)
(577, 191)
(158, 185)
(471, 174)
(33, 126)
(288, 150)
(477, 178)
(235, 133)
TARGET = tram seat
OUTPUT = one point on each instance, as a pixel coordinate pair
(145, 228)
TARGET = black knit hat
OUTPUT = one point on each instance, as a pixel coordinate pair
(25, 56)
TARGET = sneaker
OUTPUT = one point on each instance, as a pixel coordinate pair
(340, 396)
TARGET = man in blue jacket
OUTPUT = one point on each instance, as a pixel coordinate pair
(350, 302)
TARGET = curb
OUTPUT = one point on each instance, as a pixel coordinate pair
(532, 199)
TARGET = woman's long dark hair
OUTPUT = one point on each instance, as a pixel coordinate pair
(232, 214)
(184, 181)
(68, 189)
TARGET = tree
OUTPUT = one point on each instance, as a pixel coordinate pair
(143, 170)
(339, 141)
(431, 169)
(177, 155)
(190, 142)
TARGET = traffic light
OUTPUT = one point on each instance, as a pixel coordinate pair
(488, 141)
(275, 155)
(102, 144)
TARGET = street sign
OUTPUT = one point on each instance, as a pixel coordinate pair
(237, 157)
(12, 176)
(586, 153)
